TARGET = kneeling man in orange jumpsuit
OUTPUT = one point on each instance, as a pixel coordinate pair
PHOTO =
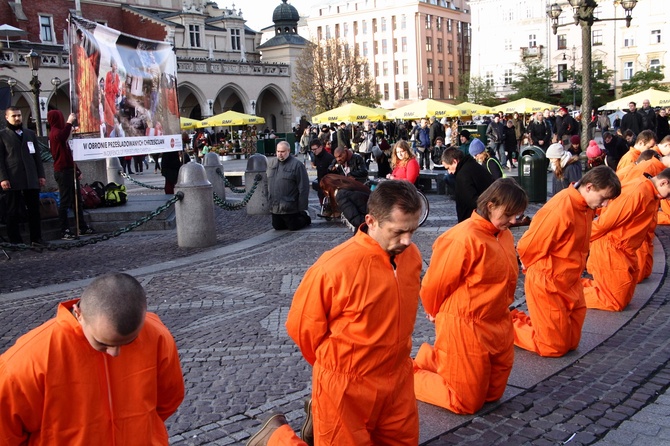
(616, 236)
(467, 291)
(354, 323)
(553, 252)
(645, 140)
(103, 372)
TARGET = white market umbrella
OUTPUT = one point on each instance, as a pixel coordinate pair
(8, 31)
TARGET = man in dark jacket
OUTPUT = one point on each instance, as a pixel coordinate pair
(348, 163)
(423, 144)
(322, 162)
(494, 133)
(616, 148)
(632, 120)
(471, 180)
(21, 176)
(566, 126)
(343, 139)
(648, 116)
(288, 190)
(436, 130)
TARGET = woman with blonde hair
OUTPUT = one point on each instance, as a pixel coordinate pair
(404, 163)
(566, 167)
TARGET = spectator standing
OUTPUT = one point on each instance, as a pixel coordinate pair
(648, 117)
(471, 179)
(509, 142)
(662, 128)
(423, 144)
(494, 133)
(632, 120)
(539, 132)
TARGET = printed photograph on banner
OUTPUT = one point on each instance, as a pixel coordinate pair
(122, 87)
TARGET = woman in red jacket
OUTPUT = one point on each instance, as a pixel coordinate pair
(405, 165)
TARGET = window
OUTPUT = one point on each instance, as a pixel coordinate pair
(440, 90)
(384, 47)
(396, 69)
(429, 66)
(627, 70)
(428, 21)
(655, 36)
(507, 79)
(386, 91)
(376, 70)
(194, 34)
(345, 29)
(355, 28)
(532, 41)
(451, 68)
(385, 68)
(450, 24)
(365, 49)
(655, 65)
(429, 44)
(450, 46)
(319, 33)
(430, 89)
(383, 23)
(440, 67)
(451, 90)
(364, 25)
(439, 44)
(563, 41)
(629, 41)
(46, 29)
(508, 44)
(403, 21)
(438, 25)
(562, 74)
(598, 68)
(337, 31)
(403, 43)
(488, 78)
(327, 31)
(235, 39)
(597, 37)
(405, 90)
(397, 90)
(395, 45)
(405, 67)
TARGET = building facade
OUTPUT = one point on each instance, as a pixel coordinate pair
(507, 33)
(218, 56)
(415, 49)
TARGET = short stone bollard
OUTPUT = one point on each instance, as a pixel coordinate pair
(195, 212)
(259, 204)
(213, 167)
(114, 170)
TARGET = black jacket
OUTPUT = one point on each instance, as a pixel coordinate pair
(322, 162)
(471, 180)
(540, 132)
(22, 168)
(632, 121)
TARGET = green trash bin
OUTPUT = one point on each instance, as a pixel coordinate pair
(533, 173)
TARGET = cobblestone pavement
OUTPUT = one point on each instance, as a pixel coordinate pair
(226, 306)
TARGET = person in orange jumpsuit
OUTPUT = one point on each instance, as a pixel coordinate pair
(112, 92)
(353, 323)
(103, 372)
(467, 291)
(664, 213)
(553, 252)
(645, 140)
(616, 236)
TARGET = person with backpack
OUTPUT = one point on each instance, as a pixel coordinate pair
(483, 157)
(423, 145)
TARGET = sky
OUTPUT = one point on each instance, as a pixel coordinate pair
(258, 13)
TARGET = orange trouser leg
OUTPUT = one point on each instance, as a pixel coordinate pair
(645, 257)
(557, 311)
(284, 436)
(460, 374)
(361, 411)
(615, 276)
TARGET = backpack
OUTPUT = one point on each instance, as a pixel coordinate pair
(99, 189)
(89, 197)
(115, 194)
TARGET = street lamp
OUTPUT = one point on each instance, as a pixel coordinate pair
(573, 85)
(583, 15)
(34, 61)
(56, 83)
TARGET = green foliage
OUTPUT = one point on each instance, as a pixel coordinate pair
(476, 90)
(601, 88)
(643, 80)
(328, 74)
(532, 82)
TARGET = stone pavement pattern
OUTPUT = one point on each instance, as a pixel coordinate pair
(226, 307)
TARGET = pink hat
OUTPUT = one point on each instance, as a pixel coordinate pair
(593, 151)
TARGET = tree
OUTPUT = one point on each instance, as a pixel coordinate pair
(534, 82)
(477, 90)
(643, 80)
(329, 74)
(600, 87)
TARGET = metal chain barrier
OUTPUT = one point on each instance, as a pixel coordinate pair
(98, 238)
(139, 183)
(229, 185)
(235, 206)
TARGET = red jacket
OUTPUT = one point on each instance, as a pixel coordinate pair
(58, 136)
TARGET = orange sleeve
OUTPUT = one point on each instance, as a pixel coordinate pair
(620, 210)
(547, 227)
(170, 380)
(307, 322)
(664, 213)
(450, 263)
(16, 401)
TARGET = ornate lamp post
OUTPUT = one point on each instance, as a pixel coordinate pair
(34, 61)
(56, 83)
(583, 15)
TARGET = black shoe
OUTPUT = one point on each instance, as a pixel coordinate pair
(88, 231)
(273, 423)
(307, 430)
(67, 235)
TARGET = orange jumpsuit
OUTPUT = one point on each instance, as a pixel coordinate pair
(645, 255)
(554, 251)
(664, 213)
(61, 391)
(616, 236)
(629, 158)
(352, 318)
(468, 288)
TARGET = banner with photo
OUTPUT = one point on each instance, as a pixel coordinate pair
(123, 90)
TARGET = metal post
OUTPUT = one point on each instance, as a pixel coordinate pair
(36, 84)
(586, 13)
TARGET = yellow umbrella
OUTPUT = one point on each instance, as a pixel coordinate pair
(424, 109)
(523, 105)
(656, 99)
(231, 118)
(470, 109)
(350, 112)
(187, 124)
